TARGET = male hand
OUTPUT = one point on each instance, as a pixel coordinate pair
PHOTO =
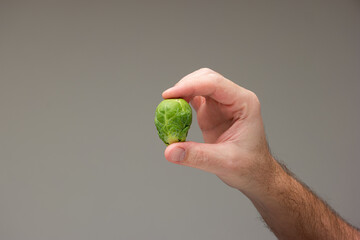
(236, 150)
(229, 117)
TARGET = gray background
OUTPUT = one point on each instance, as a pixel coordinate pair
(79, 83)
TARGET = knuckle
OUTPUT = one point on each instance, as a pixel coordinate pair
(197, 157)
(232, 162)
(231, 165)
(254, 99)
(206, 70)
(214, 79)
(210, 73)
(252, 95)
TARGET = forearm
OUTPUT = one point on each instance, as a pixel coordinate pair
(292, 211)
(236, 150)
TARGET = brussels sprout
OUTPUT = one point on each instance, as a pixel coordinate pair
(173, 118)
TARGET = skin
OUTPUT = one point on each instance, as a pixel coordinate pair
(236, 150)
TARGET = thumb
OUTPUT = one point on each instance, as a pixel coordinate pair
(208, 157)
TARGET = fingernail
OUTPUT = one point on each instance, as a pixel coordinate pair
(177, 154)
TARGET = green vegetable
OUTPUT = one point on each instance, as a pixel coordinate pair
(173, 118)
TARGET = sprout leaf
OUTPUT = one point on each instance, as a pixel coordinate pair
(173, 118)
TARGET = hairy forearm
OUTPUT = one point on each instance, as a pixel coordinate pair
(293, 211)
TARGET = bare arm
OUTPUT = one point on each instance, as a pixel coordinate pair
(293, 211)
(236, 150)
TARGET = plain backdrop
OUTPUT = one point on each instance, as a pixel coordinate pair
(79, 83)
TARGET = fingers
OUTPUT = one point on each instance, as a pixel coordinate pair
(208, 157)
(207, 83)
(197, 101)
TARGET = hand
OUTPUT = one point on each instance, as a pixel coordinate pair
(236, 150)
(229, 117)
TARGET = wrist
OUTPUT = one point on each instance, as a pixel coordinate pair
(267, 178)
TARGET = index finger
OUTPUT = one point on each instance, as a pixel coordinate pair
(205, 82)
